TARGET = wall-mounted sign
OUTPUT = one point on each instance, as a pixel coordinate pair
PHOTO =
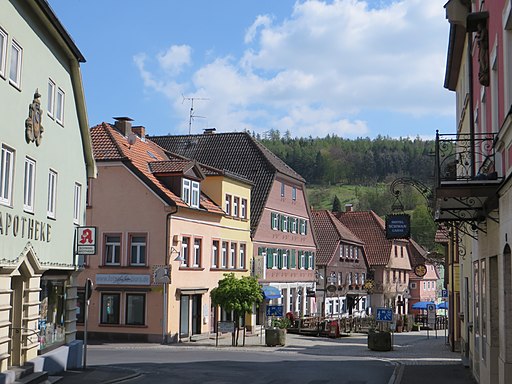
(86, 240)
(398, 226)
(122, 279)
(420, 270)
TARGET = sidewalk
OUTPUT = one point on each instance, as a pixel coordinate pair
(419, 359)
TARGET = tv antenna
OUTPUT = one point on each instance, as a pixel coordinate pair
(192, 116)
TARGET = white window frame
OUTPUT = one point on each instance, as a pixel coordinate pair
(227, 204)
(294, 193)
(284, 221)
(232, 255)
(141, 250)
(185, 241)
(50, 107)
(275, 221)
(282, 189)
(17, 68)
(224, 255)
(197, 253)
(294, 225)
(215, 253)
(310, 261)
(274, 260)
(77, 203)
(116, 258)
(3, 52)
(243, 208)
(236, 204)
(194, 201)
(285, 259)
(185, 191)
(241, 258)
(302, 260)
(59, 106)
(52, 194)
(29, 184)
(6, 175)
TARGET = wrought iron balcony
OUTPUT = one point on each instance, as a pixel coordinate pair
(466, 177)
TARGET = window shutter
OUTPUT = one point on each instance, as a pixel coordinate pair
(305, 227)
(293, 260)
(272, 218)
(279, 259)
(306, 260)
(269, 259)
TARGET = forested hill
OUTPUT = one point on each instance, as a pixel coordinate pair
(362, 161)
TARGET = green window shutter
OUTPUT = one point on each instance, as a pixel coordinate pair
(313, 259)
(293, 260)
(278, 221)
(269, 259)
(306, 260)
(260, 251)
(272, 219)
(305, 227)
(279, 259)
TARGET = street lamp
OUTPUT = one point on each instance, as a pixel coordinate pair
(163, 276)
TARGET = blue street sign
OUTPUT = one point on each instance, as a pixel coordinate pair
(444, 293)
(275, 310)
(384, 314)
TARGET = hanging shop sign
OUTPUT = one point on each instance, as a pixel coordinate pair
(398, 226)
(86, 240)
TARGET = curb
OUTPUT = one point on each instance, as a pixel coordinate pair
(121, 379)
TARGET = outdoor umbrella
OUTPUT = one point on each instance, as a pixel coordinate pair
(442, 305)
(422, 304)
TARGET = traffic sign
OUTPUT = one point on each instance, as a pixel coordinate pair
(384, 314)
(444, 293)
(275, 310)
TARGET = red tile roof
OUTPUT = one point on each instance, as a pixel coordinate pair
(329, 233)
(110, 145)
(370, 228)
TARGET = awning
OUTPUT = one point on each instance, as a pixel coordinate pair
(422, 304)
(442, 305)
(270, 292)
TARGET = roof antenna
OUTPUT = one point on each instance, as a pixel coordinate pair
(191, 115)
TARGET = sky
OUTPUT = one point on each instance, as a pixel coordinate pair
(351, 68)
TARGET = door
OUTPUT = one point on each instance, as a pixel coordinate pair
(16, 321)
(196, 314)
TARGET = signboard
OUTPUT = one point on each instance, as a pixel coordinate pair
(384, 314)
(398, 226)
(431, 315)
(420, 270)
(86, 240)
(275, 310)
(226, 326)
(444, 293)
(122, 279)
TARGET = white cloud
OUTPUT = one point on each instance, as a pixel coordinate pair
(317, 71)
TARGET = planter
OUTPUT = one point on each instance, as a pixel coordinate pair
(379, 341)
(275, 336)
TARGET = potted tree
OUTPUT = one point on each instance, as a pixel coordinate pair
(276, 334)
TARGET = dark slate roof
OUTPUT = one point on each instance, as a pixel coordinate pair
(110, 145)
(370, 228)
(237, 152)
(329, 233)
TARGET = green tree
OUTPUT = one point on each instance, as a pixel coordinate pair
(336, 204)
(238, 296)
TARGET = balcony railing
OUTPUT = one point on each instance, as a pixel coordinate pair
(466, 158)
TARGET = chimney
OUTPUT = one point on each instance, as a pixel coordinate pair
(209, 131)
(140, 131)
(124, 125)
(348, 207)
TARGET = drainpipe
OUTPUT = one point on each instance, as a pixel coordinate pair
(471, 107)
(167, 263)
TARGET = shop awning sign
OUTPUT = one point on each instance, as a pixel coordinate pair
(86, 240)
(398, 226)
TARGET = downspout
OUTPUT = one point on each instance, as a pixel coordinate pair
(471, 107)
(167, 262)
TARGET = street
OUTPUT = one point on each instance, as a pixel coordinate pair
(347, 360)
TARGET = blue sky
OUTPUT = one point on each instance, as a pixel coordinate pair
(347, 67)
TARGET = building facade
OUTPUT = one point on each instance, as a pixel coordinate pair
(283, 242)
(45, 163)
(472, 191)
(164, 239)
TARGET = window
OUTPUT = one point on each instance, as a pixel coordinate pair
(274, 259)
(236, 204)
(3, 51)
(28, 185)
(227, 205)
(351, 252)
(294, 193)
(302, 260)
(282, 189)
(110, 308)
(112, 250)
(6, 175)
(310, 261)
(138, 250)
(349, 278)
(232, 255)
(402, 252)
(52, 193)
(51, 98)
(59, 107)
(275, 221)
(135, 309)
(303, 227)
(185, 242)
(185, 191)
(224, 261)
(195, 195)
(356, 252)
(243, 209)
(356, 278)
(284, 223)
(197, 253)
(363, 278)
(285, 259)
(241, 258)
(294, 225)
(15, 68)
(215, 253)
(76, 207)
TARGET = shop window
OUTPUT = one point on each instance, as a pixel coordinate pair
(80, 307)
(110, 308)
(52, 313)
(135, 309)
